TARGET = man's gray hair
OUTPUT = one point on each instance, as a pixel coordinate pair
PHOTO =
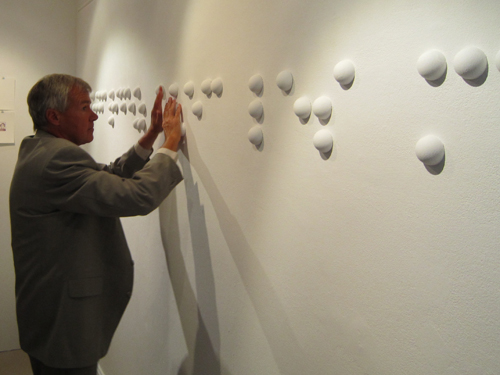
(51, 92)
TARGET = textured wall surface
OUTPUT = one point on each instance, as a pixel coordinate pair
(37, 38)
(277, 260)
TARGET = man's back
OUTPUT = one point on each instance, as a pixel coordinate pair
(74, 271)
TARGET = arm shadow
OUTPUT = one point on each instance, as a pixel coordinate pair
(276, 326)
(203, 347)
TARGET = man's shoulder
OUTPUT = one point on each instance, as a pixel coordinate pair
(41, 150)
(45, 142)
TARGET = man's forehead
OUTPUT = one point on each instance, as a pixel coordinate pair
(79, 95)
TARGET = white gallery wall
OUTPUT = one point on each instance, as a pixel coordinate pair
(276, 259)
(37, 38)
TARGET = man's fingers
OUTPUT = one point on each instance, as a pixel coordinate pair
(159, 98)
(167, 108)
(172, 114)
(172, 107)
(178, 113)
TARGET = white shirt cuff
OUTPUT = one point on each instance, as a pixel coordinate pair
(166, 151)
(142, 152)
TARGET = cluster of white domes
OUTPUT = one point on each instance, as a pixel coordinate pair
(114, 107)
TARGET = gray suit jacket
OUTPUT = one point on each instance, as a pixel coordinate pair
(74, 271)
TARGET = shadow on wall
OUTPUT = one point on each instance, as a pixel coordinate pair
(203, 350)
(276, 327)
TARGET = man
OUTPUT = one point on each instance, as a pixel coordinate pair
(74, 271)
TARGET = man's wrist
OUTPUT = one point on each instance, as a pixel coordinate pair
(147, 140)
(172, 142)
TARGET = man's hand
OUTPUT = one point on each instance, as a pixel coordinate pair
(172, 124)
(148, 139)
(167, 121)
(156, 113)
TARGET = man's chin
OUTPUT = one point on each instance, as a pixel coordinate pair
(89, 139)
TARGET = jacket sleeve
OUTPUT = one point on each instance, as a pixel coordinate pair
(74, 182)
(126, 165)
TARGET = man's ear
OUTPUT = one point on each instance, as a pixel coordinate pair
(52, 116)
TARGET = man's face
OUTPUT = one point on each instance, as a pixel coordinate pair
(77, 122)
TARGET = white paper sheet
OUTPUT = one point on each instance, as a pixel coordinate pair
(7, 126)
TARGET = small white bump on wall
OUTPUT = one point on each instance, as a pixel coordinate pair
(173, 90)
(206, 87)
(344, 72)
(132, 108)
(189, 89)
(123, 108)
(255, 135)
(119, 94)
(430, 150)
(256, 84)
(142, 109)
(99, 108)
(127, 93)
(111, 121)
(432, 65)
(140, 125)
(323, 141)
(217, 86)
(284, 80)
(113, 108)
(256, 109)
(302, 108)
(137, 93)
(164, 92)
(197, 109)
(322, 108)
(470, 63)
(111, 94)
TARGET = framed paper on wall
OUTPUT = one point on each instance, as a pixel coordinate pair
(7, 120)
(7, 104)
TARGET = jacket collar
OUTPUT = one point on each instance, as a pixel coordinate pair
(43, 134)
